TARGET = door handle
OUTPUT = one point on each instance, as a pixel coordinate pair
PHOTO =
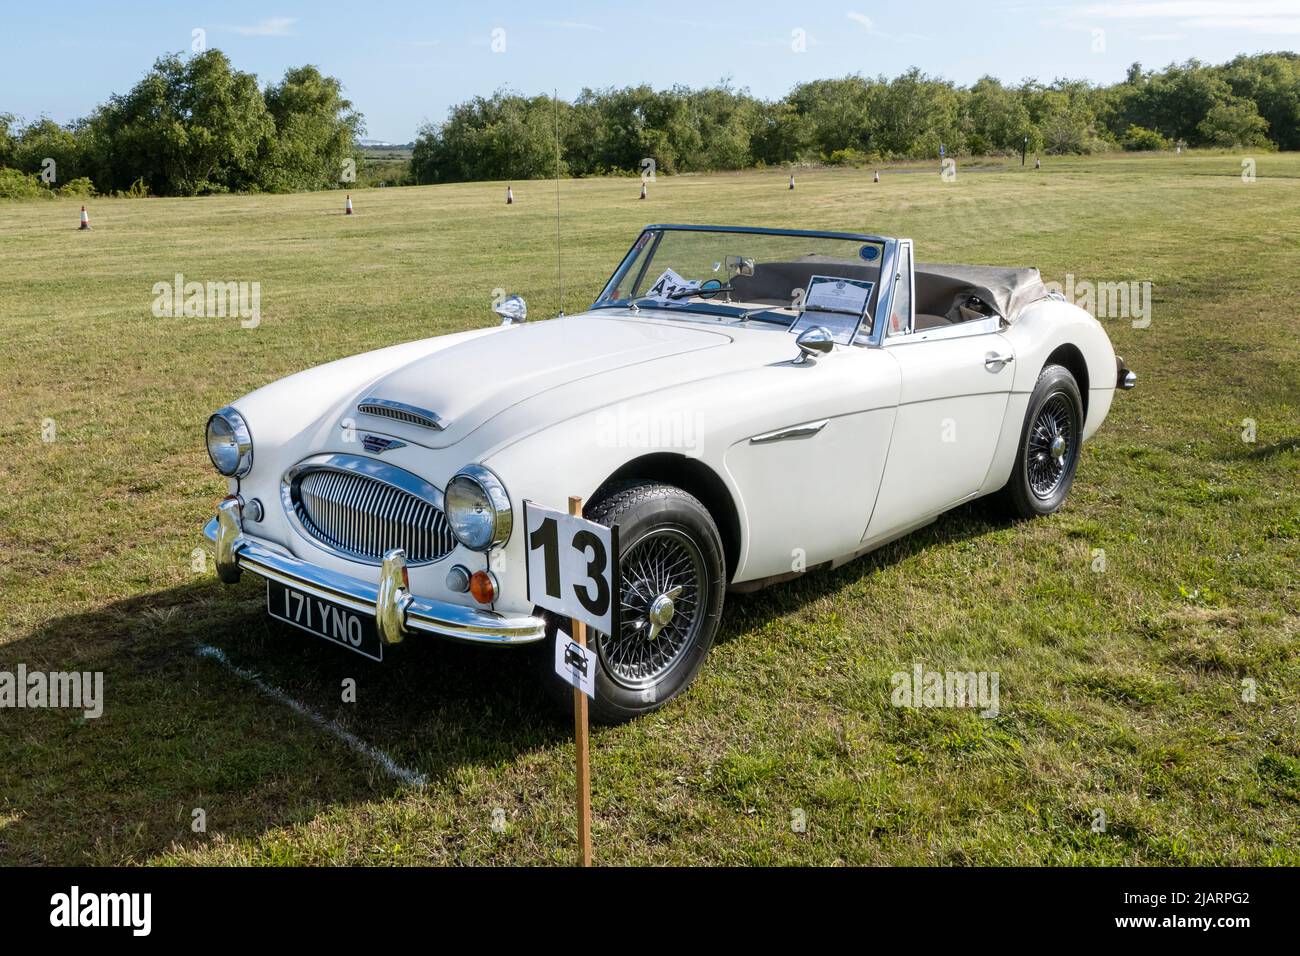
(994, 359)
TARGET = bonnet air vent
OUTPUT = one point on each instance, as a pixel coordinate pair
(401, 412)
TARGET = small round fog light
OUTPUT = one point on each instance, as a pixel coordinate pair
(458, 579)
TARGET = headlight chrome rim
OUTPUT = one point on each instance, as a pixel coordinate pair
(241, 436)
(498, 500)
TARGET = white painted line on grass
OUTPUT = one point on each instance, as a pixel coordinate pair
(385, 762)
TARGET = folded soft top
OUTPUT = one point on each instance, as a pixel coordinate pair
(1008, 291)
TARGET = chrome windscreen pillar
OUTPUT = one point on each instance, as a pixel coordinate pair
(394, 596)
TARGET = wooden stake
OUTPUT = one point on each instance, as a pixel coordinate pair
(580, 736)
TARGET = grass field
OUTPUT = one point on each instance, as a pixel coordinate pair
(1121, 691)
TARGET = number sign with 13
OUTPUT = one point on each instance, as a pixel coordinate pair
(573, 566)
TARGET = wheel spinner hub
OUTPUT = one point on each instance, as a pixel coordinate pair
(661, 612)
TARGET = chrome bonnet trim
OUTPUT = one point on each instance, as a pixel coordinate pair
(417, 614)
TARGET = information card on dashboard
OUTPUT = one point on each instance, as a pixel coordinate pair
(835, 303)
(834, 294)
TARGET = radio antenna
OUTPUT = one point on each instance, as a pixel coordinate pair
(559, 266)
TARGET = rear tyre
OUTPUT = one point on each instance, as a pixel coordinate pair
(673, 587)
(1050, 440)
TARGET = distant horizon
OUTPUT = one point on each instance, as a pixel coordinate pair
(414, 66)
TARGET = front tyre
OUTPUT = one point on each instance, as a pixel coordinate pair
(1050, 440)
(673, 587)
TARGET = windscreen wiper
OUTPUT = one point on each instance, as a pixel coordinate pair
(683, 293)
(765, 315)
(630, 304)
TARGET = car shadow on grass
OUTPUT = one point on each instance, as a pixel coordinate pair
(972, 520)
(1265, 452)
(251, 736)
(253, 750)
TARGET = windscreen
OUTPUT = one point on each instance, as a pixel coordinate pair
(800, 280)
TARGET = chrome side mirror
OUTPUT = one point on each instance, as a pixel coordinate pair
(512, 309)
(813, 342)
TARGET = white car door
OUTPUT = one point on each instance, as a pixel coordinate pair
(955, 386)
(810, 476)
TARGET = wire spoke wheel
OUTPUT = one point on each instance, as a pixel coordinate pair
(663, 576)
(1052, 445)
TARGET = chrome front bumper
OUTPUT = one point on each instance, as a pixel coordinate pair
(397, 612)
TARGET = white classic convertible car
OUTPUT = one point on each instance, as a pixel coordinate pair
(743, 404)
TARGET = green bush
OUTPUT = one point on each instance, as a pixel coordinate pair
(847, 157)
(1137, 139)
(16, 185)
(80, 187)
(138, 190)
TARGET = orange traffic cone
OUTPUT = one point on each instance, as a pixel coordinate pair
(792, 180)
(643, 190)
(85, 218)
(510, 196)
(347, 210)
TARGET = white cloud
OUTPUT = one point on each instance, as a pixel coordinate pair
(270, 27)
(870, 26)
(1249, 16)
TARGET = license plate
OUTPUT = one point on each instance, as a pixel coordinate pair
(352, 629)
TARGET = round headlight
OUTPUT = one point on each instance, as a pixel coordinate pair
(230, 445)
(478, 509)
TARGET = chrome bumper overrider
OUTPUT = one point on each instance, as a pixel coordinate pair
(397, 612)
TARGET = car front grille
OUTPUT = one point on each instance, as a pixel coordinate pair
(363, 516)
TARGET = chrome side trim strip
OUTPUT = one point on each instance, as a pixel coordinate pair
(806, 430)
(424, 615)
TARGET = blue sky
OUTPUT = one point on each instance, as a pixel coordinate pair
(404, 62)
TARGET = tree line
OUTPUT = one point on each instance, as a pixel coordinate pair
(1251, 102)
(195, 125)
(191, 126)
